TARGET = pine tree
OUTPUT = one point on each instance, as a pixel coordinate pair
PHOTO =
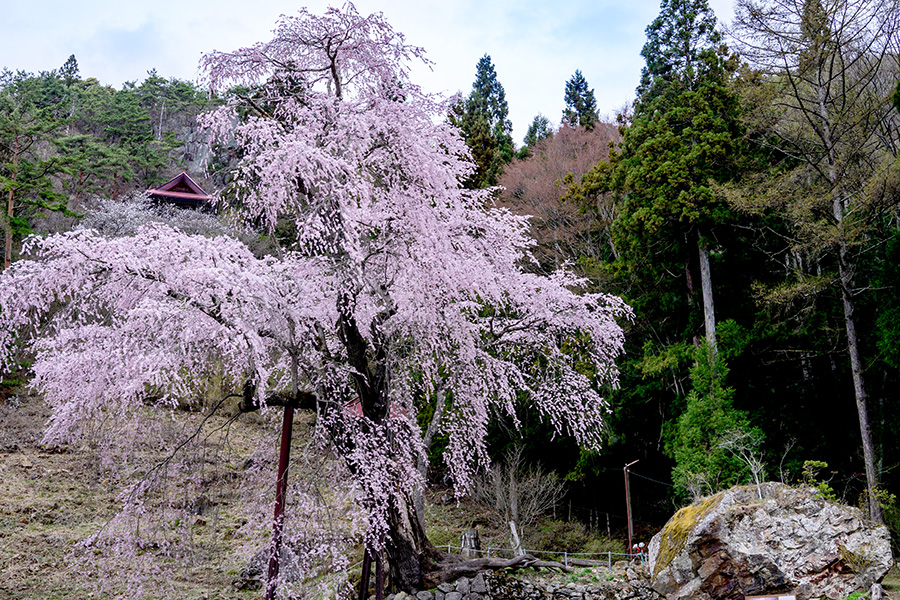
(69, 70)
(581, 105)
(27, 120)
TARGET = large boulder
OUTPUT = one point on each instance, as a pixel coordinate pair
(790, 541)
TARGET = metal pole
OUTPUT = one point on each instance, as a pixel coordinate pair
(628, 508)
(280, 493)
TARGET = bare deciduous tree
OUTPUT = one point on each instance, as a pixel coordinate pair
(828, 69)
(745, 445)
(517, 493)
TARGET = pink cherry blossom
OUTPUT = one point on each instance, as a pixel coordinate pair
(391, 284)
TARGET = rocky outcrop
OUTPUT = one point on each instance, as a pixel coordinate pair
(789, 541)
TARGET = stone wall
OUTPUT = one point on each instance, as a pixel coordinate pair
(621, 582)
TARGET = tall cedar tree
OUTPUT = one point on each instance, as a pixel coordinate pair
(581, 105)
(398, 289)
(823, 100)
(683, 138)
(483, 118)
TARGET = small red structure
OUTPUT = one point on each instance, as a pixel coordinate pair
(182, 191)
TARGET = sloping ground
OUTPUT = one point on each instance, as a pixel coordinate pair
(50, 501)
(891, 583)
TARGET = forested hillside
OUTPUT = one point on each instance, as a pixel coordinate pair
(65, 140)
(746, 207)
(748, 213)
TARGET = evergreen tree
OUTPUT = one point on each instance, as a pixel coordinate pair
(27, 118)
(684, 136)
(581, 105)
(540, 129)
(676, 39)
(704, 464)
(483, 118)
(69, 71)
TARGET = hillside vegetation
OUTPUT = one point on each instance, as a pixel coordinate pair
(745, 209)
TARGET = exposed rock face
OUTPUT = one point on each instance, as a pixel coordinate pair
(734, 544)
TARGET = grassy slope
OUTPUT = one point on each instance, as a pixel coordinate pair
(50, 501)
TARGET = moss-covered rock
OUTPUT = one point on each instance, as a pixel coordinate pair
(737, 543)
(675, 533)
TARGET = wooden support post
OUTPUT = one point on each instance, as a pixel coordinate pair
(379, 578)
(280, 494)
(364, 577)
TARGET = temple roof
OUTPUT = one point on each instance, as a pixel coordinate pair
(181, 190)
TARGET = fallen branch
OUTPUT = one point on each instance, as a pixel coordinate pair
(450, 567)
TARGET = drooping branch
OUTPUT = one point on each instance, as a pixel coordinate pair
(250, 402)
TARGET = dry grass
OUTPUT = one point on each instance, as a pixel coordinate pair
(52, 500)
(891, 583)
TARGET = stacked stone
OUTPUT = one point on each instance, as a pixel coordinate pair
(632, 584)
(464, 589)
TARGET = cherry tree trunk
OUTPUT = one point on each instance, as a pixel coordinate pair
(408, 550)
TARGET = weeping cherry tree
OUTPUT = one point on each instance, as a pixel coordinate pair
(392, 289)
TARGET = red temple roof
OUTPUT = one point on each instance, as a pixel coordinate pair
(181, 190)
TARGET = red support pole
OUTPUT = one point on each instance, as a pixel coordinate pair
(280, 494)
(379, 578)
(364, 578)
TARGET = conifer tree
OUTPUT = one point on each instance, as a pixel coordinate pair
(684, 136)
(27, 118)
(483, 118)
(676, 39)
(703, 464)
(540, 129)
(581, 105)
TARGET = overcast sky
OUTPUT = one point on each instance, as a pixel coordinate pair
(535, 45)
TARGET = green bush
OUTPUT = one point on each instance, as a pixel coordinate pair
(811, 469)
